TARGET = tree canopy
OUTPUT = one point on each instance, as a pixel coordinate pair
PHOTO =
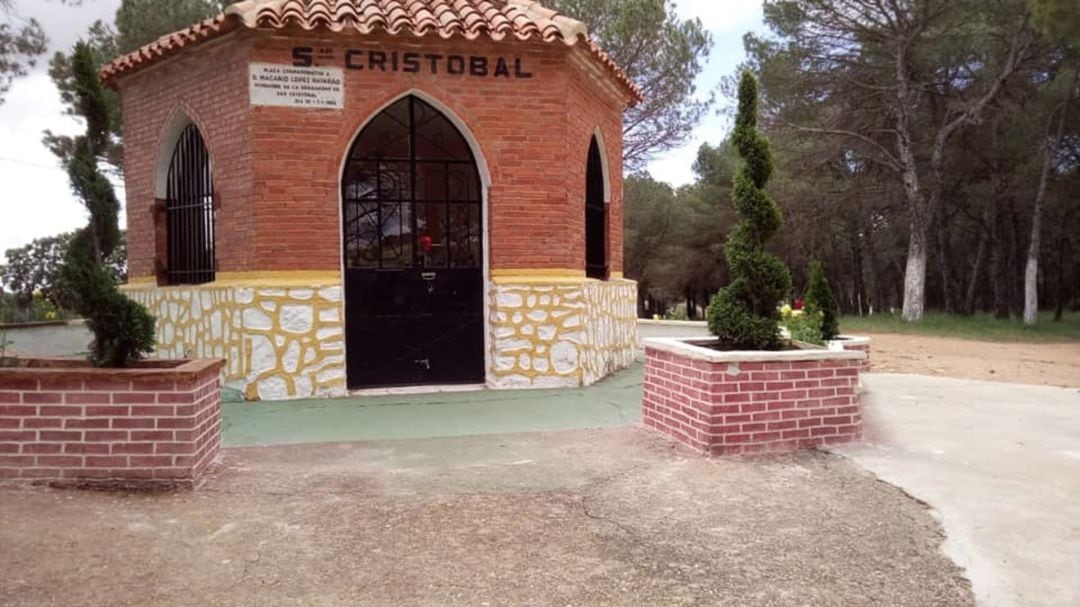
(660, 52)
(137, 23)
(21, 42)
(924, 131)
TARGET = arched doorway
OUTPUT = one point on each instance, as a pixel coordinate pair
(413, 251)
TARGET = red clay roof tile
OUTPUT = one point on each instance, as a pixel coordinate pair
(471, 19)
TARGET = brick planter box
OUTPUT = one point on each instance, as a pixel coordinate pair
(730, 403)
(854, 343)
(154, 425)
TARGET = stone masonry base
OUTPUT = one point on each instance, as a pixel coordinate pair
(730, 403)
(284, 337)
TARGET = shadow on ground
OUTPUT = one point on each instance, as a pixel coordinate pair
(589, 517)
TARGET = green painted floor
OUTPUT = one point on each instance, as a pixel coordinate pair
(616, 401)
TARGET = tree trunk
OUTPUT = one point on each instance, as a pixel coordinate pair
(1059, 308)
(997, 263)
(1016, 260)
(944, 262)
(1031, 272)
(973, 280)
(915, 274)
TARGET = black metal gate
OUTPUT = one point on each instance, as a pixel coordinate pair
(413, 236)
(189, 212)
(596, 263)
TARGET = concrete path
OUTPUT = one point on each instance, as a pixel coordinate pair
(1000, 463)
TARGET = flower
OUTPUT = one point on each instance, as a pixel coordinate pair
(798, 304)
(785, 310)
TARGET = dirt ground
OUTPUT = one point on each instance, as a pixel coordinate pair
(1051, 364)
(601, 517)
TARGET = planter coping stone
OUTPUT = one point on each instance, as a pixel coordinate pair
(853, 340)
(690, 348)
(78, 368)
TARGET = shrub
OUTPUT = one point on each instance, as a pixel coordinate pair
(123, 330)
(744, 315)
(804, 325)
(819, 297)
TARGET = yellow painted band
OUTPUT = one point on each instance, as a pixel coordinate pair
(552, 280)
(301, 278)
(545, 272)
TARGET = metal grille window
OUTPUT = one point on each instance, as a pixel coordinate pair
(596, 262)
(412, 193)
(189, 212)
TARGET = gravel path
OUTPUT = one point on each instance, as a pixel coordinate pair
(602, 517)
(1050, 364)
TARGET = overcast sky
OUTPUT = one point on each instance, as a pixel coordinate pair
(35, 199)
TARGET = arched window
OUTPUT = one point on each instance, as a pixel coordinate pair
(189, 212)
(596, 262)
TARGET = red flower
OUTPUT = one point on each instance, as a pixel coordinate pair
(798, 304)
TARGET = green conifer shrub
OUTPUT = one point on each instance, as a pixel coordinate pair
(819, 298)
(744, 314)
(123, 330)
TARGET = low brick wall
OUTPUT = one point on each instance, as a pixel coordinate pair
(852, 343)
(62, 422)
(729, 403)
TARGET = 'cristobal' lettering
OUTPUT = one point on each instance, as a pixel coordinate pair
(474, 66)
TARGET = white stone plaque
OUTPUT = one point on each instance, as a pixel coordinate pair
(302, 87)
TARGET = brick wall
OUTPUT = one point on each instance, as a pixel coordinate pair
(863, 347)
(209, 86)
(725, 408)
(277, 170)
(83, 426)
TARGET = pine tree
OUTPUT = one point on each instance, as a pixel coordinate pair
(744, 315)
(819, 298)
(123, 330)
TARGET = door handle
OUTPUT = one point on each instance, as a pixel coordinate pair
(428, 276)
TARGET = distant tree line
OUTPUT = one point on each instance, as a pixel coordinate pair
(927, 151)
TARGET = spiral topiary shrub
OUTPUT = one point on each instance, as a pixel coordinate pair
(819, 298)
(744, 315)
(123, 330)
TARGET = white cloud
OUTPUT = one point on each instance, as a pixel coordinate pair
(731, 17)
(727, 21)
(35, 199)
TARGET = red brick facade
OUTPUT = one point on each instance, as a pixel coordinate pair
(277, 170)
(726, 408)
(858, 344)
(81, 426)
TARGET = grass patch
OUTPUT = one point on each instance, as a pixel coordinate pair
(980, 326)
